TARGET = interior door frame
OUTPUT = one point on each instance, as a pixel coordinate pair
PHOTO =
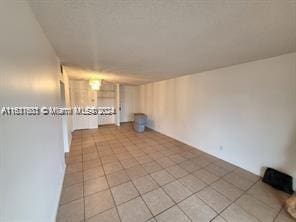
(64, 117)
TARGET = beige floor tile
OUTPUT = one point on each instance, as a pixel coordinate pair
(71, 193)
(226, 165)
(136, 171)
(284, 217)
(219, 219)
(165, 162)
(89, 148)
(138, 153)
(214, 199)
(127, 163)
(216, 170)
(75, 146)
(157, 201)
(128, 158)
(144, 159)
(91, 164)
(73, 211)
(156, 155)
(188, 155)
(197, 210)
(177, 158)
(109, 159)
(73, 178)
(239, 181)
(123, 155)
(107, 216)
(192, 183)
(73, 168)
(177, 191)
(74, 155)
(162, 177)
(90, 156)
(176, 171)
(117, 178)
(201, 161)
(268, 195)
(235, 214)
(189, 166)
(247, 175)
(95, 185)
(145, 184)
(106, 152)
(124, 192)
(112, 167)
(74, 159)
(172, 214)
(257, 208)
(134, 211)
(97, 203)
(205, 176)
(93, 173)
(152, 167)
(210, 158)
(228, 190)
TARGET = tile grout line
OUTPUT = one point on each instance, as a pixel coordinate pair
(83, 176)
(108, 184)
(207, 185)
(234, 202)
(176, 203)
(175, 152)
(140, 195)
(161, 186)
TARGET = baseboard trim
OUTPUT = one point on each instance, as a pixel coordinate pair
(205, 151)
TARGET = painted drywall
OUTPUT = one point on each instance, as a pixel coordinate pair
(248, 110)
(32, 155)
(128, 101)
(69, 124)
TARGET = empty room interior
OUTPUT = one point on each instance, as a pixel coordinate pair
(147, 110)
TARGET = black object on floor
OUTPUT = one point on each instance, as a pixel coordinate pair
(278, 180)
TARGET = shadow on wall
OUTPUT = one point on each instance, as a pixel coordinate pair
(150, 123)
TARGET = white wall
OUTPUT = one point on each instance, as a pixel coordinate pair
(128, 102)
(32, 155)
(69, 125)
(249, 109)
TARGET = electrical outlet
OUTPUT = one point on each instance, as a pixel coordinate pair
(221, 147)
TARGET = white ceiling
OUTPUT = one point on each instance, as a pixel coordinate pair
(146, 40)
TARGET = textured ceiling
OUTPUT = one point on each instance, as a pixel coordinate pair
(141, 41)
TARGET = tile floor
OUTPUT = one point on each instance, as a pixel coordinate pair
(114, 174)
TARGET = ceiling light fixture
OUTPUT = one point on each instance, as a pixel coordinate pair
(95, 84)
